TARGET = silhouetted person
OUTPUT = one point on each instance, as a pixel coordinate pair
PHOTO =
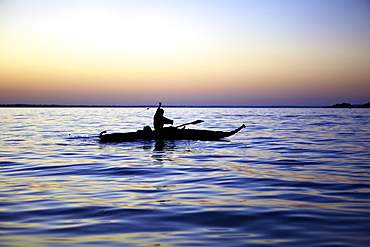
(147, 132)
(159, 120)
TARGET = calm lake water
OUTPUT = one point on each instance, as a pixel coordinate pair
(293, 177)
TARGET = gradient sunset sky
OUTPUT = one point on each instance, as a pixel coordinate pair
(190, 52)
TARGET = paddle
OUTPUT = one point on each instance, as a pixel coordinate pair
(194, 122)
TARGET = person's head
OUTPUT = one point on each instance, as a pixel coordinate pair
(160, 112)
(147, 129)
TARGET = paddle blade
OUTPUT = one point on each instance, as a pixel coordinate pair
(194, 122)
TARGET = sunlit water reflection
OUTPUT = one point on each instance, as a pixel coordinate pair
(293, 177)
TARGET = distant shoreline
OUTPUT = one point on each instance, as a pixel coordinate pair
(141, 106)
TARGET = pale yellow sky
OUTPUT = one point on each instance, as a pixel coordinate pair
(192, 52)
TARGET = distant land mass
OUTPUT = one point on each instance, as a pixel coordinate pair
(348, 105)
(367, 105)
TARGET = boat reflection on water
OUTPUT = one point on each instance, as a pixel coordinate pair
(162, 149)
(165, 145)
(159, 145)
(162, 145)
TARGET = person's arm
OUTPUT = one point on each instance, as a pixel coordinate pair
(159, 107)
(167, 120)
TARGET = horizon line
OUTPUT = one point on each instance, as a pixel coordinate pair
(149, 106)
